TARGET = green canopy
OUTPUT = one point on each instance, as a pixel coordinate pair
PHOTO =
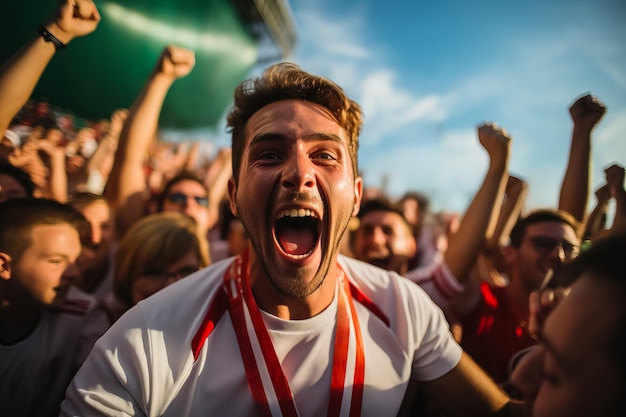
(107, 69)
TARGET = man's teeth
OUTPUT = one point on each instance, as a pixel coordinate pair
(296, 213)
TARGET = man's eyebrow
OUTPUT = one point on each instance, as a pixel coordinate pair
(317, 136)
(324, 136)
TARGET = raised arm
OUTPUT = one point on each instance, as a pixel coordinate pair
(515, 194)
(216, 180)
(126, 186)
(20, 73)
(57, 182)
(615, 180)
(586, 112)
(479, 220)
(102, 158)
(595, 225)
(490, 263)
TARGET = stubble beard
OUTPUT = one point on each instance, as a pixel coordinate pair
(297, 286)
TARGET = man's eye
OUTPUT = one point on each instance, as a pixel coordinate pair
(329, 156)
(326, 156)
(269, 156)
(55, 261)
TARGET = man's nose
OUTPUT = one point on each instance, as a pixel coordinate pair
(379, 237)
(558, 253)
(96, 235)
(298, 173)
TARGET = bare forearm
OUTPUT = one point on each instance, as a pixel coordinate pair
(477, 223)
(127, 175)
(575, 187)
(509, 213)
(58, 178)
(142, 123)
(619, 222)
(19, 76)
(594, 221)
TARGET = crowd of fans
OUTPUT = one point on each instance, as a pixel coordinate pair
(124, 214)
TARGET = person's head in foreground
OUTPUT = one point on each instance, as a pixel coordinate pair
(579, 368)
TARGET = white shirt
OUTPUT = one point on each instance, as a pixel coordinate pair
(437, 280)
(144, 364)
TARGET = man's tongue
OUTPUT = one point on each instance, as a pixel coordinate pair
(296, 241)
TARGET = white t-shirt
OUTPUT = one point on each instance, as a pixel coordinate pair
(35, 371)
(144, 365)
(437, 280)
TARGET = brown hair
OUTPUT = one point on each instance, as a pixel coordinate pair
(180, 177)
(81, 200)
(287, 81)
(539, 216)
(19, 216)
(155, 242)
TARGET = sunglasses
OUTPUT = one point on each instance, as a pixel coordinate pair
(546, 244)
(180, 198)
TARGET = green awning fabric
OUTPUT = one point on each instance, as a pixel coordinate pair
(106, 69)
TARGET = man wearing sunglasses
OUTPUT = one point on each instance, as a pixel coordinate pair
(494, 319)
(186, 194)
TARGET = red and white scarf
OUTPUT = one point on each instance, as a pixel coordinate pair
(266, 380)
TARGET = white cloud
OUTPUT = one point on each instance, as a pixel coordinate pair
(389, 108)
(427, 141)
(332, 37)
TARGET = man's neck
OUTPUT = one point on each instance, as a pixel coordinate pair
(271, 300)
(17, 322)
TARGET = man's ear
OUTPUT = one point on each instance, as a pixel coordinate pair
(358, 195)
(232, 196)
(5, 266)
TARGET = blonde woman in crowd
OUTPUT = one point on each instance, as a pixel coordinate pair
(158, 250)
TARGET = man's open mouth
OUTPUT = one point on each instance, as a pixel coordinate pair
(297, 232)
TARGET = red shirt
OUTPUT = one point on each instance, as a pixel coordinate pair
(492, 334)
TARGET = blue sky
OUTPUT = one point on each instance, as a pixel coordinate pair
(428, 72)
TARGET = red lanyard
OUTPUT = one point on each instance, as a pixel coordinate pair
(241, 300)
